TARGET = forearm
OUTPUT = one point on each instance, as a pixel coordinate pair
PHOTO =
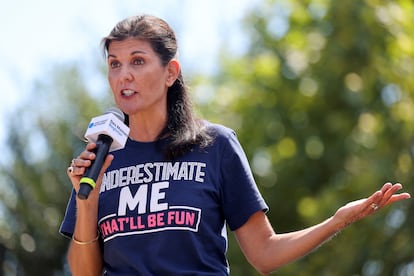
(84, 254)
(285, 248)
(296, 244)
(267, 251)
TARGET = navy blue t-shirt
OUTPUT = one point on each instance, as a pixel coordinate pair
(169, 218)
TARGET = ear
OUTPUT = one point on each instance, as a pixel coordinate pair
(173, 69)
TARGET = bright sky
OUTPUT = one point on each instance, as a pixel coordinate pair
(35, 35)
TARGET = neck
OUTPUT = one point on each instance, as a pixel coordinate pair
(145, 129)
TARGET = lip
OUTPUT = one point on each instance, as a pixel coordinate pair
(128, 92)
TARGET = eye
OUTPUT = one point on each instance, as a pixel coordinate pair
(114, 64)
(138, 61)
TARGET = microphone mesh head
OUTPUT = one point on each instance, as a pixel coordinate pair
(117, 112)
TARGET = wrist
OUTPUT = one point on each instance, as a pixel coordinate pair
(335, 224)
(90, 241)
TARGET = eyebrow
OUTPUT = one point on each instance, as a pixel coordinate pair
(133, 53)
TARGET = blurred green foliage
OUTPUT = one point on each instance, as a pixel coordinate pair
(323, 103)
(44, 135)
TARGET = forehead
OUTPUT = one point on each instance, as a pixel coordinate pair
(129, 45)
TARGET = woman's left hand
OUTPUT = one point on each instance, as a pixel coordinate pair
(359, 209)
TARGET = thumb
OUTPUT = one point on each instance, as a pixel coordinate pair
(106, 164)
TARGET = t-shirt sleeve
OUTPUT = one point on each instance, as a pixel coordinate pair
(68, 224)
(241, 197)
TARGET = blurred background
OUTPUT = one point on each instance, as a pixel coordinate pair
(321, 94)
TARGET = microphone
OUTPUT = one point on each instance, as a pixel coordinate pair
(109, 133)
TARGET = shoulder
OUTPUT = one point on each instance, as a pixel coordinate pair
(223, 136)
(219, 131)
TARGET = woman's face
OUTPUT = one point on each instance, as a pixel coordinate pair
(137, 78)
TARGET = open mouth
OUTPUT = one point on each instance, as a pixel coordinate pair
(128, 92)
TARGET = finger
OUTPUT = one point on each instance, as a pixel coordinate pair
(388, 193)
(75, 172)
(87, 154)
(108, 161)
(386, 187)
(394, 187)
(85, 158)
(70, 170)
(90, 146)
(78, 171)
(373, 202)
(397, 197)
(375, 197)
(106, 164)
(389, 196)
(380, 197)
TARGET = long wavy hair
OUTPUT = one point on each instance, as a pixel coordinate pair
(182, 127)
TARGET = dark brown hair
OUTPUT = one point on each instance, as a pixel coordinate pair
(183, 128)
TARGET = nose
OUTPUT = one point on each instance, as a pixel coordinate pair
(126, 74)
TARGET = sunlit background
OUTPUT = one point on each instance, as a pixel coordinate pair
(37, 35)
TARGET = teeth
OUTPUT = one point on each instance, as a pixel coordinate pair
(128, 92)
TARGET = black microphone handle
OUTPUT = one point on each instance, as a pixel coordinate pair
(88, 181)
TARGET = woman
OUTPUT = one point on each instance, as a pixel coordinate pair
(161, 204)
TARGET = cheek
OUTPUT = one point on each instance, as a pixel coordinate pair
(111, 82)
